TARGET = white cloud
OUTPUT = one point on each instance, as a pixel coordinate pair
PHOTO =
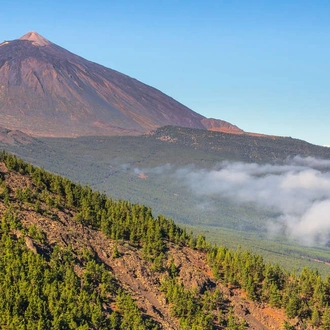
(298, 190)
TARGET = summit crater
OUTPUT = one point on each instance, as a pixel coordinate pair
(35, 38)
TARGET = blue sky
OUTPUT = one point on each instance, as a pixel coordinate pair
(261, 65)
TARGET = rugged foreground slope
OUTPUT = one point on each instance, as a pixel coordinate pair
(99, 264)
(47, 91)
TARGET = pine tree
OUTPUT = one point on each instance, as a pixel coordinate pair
(315, 318)
(326, 319)
(292, 307)
(275, 296)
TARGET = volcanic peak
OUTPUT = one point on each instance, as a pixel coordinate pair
(48, 91)
(35, 38)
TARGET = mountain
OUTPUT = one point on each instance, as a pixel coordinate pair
(71, 258)
(46, 90)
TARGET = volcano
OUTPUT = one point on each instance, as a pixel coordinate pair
(46, 90)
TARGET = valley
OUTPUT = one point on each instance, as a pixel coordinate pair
(144, 169)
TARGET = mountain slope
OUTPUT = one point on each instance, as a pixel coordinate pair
(47, 91)
(99, 264)
(56, 234)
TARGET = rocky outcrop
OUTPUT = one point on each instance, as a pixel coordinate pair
(9, 137)
(218, 125)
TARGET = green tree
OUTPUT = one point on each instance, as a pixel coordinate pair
(326, 319)
(315, 318)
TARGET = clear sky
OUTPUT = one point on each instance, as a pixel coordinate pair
(261, 65)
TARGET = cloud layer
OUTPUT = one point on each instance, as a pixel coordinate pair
(298, 190)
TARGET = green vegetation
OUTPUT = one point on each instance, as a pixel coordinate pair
(108, 164)
(277, 250)
(194, 311)
(43, 291)
(60, 299)
(41, 294)
(305, 296)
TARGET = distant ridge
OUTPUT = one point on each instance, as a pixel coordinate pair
(11, 138)
(46, 90)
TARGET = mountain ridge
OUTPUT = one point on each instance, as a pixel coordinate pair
(45, 90)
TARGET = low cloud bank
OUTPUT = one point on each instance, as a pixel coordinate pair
(298, 190)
